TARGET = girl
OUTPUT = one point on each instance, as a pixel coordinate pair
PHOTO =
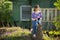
(36, 19)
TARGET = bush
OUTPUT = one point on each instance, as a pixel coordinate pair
(57, 22)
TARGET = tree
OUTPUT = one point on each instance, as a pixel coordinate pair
(57, 4)
(5, 11)
(57, 22)
(39, 33)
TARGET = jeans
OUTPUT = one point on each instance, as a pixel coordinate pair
(35, 25)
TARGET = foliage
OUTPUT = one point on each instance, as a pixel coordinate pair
(54, 32)
(57, 22)
(18, 34)
(52, 35)
(5, 10)
(57, 4)
(22, 34)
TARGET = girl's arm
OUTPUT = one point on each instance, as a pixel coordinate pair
(40, 16)
(33, 17)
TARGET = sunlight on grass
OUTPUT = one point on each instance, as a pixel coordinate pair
(15, 32)
(45, 37)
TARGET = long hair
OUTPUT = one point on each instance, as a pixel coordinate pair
(37, 6)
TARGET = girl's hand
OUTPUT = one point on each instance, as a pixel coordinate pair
(34, 19)
(31, 30)
(38, 18)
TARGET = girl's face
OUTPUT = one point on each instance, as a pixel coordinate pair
(37, 9)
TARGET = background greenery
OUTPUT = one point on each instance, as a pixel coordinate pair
(5, 11)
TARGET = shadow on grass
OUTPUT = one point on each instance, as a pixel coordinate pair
(28, 37)
(18, 34)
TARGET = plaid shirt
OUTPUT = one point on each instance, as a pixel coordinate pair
(34, 15)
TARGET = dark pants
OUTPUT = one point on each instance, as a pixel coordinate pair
(35, 25)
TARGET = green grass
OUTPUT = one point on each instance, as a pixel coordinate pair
(18, 34)
(55, 32)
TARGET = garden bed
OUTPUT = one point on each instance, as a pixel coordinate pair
(11, 33)
(17, 33)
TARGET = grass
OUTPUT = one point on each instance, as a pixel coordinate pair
(17, 34)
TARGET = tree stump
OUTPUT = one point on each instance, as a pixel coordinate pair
(39, 33)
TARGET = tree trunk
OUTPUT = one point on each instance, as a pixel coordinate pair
(1, 24)
(39, 32)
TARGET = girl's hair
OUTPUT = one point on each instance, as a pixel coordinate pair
(35, 7)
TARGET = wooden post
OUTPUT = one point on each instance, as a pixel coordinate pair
(47, 14)
(55, 14)
(44, 14)
(39, 33)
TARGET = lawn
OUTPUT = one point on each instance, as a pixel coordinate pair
(17, 33)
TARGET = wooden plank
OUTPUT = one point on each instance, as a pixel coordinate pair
(43, 14)
(47, 14)
(55, 14)
(51, 15)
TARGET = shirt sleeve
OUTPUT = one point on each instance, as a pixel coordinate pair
(40, 14)
(32, 15)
